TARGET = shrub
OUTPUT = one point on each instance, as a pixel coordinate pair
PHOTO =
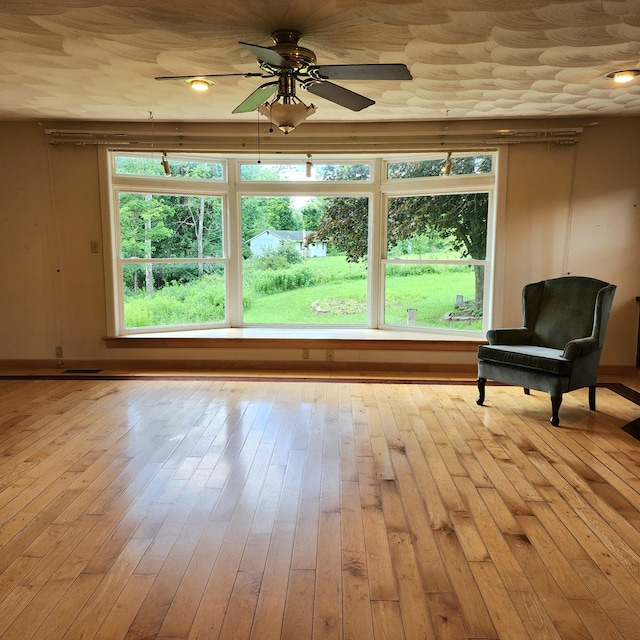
(284, 280)
(199, 301)
(285, 255)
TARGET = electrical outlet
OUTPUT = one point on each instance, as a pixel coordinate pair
(58, 351)
(305, 354)
(95, 246)
(329, 354)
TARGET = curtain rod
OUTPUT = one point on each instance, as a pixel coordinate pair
(360, 137)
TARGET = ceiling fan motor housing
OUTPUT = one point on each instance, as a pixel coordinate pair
(286, 44)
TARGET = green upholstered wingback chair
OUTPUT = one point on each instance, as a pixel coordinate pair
(559, 345)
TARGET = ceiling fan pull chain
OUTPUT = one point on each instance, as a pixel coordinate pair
(258, 134)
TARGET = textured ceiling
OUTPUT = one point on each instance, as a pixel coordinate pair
(91, 60)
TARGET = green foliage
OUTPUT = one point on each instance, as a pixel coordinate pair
(311, 214)
(201, 301)
(460, 165)
(143, 224)
(460, 218)
(260, 213)
(153, 166)
(344, 225)
(280, 257)
(270, 282)
(170, 226)
(404, 271)
(278, 269)
(341, 172)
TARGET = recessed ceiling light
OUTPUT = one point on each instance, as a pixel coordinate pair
(626, 75)
(199, 84)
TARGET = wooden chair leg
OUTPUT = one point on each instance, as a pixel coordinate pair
(592, 397)
(481, 384)
(556, 401)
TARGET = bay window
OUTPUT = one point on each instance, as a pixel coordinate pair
(398, 243)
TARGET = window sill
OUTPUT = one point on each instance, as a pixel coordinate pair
(286, 338)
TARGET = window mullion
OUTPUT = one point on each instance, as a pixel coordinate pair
(233, 211)
(377, 224)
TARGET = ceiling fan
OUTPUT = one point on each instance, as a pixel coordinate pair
(289, 63)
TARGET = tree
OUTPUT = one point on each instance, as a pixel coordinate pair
(344, 224)
(461, 218)
(260, 213)
(280, 214)
(311, 214)
(196, 226)
(142, 226)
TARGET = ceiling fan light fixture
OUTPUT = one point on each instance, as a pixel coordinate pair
(624, 76)
(199, 84)
(286, 115)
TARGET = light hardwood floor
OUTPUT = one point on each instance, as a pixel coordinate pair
(177, 508)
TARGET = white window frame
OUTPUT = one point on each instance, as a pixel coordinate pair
(447, 185)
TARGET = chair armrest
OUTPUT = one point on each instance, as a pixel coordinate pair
(519, 335)
(579, 347)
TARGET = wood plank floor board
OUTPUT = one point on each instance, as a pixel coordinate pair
(470, 600)
(196, 575)
(387, 620)
(414, 606)
(327, 607)
(271, 599)
(238, 618)
(547, 591)
(432, 570)
(502, 610)
(358, 617)
(494, 546)
(297, 623)
(382, 583)
(212, 508)
(611, 471)
(102, 600)
(437, 511)
(597, 622)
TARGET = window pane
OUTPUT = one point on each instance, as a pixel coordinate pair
(443, 227)
(159, 295)
(315, 280)
(153, 165)
(434, 296)
(161, 226)
(303, 171)
(455, 165)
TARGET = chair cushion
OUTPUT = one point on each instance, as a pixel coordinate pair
(528, 356)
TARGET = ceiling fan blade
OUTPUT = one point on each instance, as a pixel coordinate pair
(339, 95)
(258, 97)
(265, 54)
(361, 72)
(257, 74)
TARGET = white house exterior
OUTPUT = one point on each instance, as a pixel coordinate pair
(272, 238)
